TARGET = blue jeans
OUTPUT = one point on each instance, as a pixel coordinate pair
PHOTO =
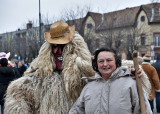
(158, 102)
(2, 108)
(151, 104)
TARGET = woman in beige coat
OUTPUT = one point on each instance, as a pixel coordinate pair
(111, 91)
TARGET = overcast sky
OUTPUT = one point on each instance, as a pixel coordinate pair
(15, 13)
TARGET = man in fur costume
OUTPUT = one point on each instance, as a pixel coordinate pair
(50, 85)
(53, 82)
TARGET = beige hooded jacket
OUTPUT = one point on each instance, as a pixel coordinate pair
(118, 95)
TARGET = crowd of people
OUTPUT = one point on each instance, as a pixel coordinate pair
(65, 78)
(8, 72)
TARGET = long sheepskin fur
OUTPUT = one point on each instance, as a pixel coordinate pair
(42, 90)
(76, 63)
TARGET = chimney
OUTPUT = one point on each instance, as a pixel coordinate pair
(29, 25)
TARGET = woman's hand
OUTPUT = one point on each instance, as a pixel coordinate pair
(139, 73)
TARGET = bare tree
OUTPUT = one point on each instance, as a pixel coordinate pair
(74, 13)
(133, 39)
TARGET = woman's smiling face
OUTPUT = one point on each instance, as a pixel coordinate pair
(106, 64)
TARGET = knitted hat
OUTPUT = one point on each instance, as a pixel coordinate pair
(146, 57)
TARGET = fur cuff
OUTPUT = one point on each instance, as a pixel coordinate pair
(157, 90)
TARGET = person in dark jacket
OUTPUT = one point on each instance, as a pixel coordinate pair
(156, 65)
(7, 74)
(21, 67)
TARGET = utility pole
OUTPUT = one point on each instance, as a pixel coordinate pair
(40, 42)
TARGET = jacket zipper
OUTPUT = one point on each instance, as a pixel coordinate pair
(108, 93)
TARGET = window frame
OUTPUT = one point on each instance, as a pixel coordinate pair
(89, 25)
(143, 18)
(143, 39)
(157, 39)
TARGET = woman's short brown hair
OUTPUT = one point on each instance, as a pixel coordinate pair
(96, 53)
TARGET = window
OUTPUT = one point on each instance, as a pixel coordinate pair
(142, 18)
(30, 33)
(143, 39)
(89, 26)
(157, 40)
(6, 37)
(18, 35)
(12, 35)
(24, 35)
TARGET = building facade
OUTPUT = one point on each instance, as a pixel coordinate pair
(136, 28)
(23, 44)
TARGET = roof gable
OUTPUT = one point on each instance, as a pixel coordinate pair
(128, 16)
(95, 16)
(152, 11)
(120, 18)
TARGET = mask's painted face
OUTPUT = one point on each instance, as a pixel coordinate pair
(57, 50)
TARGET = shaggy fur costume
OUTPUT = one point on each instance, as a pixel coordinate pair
(44, 91)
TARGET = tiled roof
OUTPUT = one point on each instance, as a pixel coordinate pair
(125, 17)
(121, 18)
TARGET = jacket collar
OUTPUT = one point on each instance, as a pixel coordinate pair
(119, 72)
(146, 63)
